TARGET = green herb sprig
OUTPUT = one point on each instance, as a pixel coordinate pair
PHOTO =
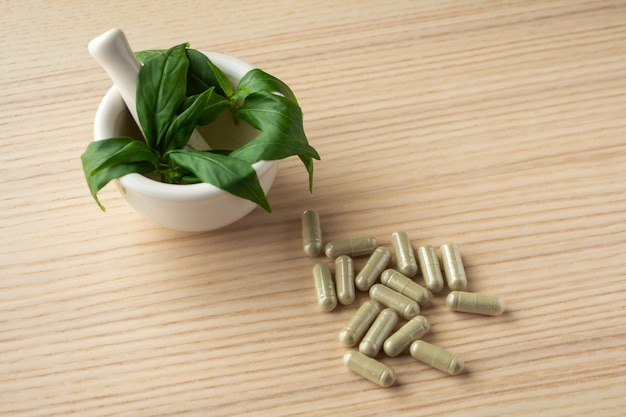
(179, 89)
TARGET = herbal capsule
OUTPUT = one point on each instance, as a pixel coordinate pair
(453, 267)
(470, 302)
(311, 233)
(358, 246)
(404, 306)
(405, 286)
(405, 256)
(369, 368)
(411, 331)
(344, 279)
(372, 268)
(324, 287)
(352, 333)
(436, 357)
(377, 334)
(429, 265)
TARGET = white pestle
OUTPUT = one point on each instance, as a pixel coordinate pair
(113, 53)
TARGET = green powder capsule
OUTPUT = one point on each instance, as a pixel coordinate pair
(411, 331)
(436, 357)
(470, 302)
(453, 267)
(356, 327)
(369, 368)
(403, 305)
(324, 287)
(344, 279)
(353, 247)
(429, 265)
(372, 268)
(377, 334)
(405, 256)
(311, 233)
(405, 286)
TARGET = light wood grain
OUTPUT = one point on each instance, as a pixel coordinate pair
(500, 126)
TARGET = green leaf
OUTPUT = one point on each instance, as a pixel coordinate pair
(109, 159)
(144, 56)
(161, 86)
(222, 79)
(282, 134)
(259, 81)
(98, 181)
(116, 151)
(308, 164)
(270, 112)
(212, 107)
(180, 130)
(273, 146)
(225, 172)
(200, 76)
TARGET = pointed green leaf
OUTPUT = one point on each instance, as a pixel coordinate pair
(222, 79)
(200, 76)
(270, 112)
(212, 107)
(201, 107)
(256, 80)
(282, 134)
(308, 164)
(109, 159)
(227, 173)
(267, 147)
(270, 147)
(98, 181)
(116, 151)
(161, 86)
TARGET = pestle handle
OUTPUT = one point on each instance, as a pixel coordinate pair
(112, 51)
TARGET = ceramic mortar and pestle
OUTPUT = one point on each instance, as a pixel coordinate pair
(186, 207)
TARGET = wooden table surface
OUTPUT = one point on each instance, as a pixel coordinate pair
(500, 126)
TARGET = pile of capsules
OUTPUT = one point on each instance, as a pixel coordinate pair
(372, 326)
